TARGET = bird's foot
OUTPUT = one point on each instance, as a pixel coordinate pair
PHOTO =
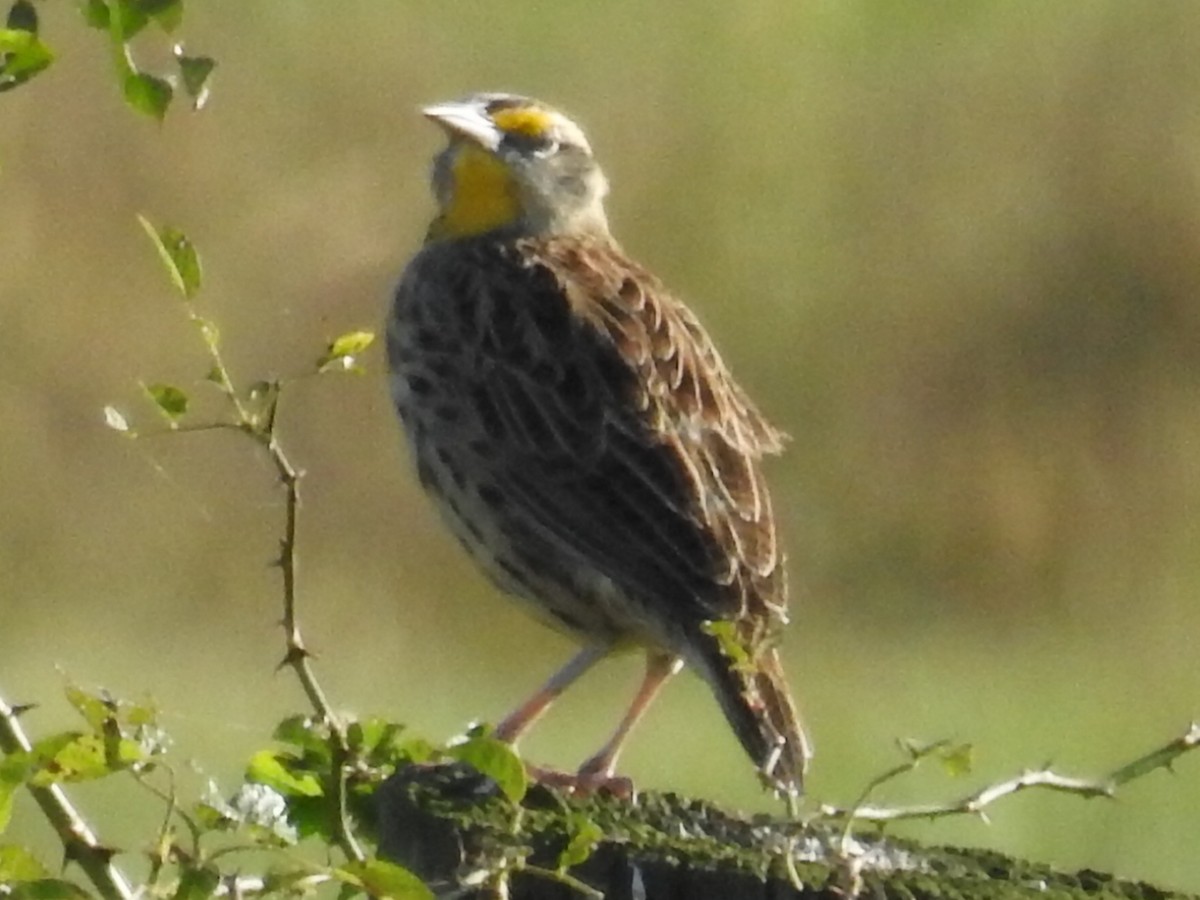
(583, 783)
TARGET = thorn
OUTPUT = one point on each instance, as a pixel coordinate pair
(296, 654)
(77, 850)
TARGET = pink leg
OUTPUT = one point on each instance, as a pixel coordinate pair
(659, 670)
(521, 719)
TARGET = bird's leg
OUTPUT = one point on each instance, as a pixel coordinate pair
(659, 669)
(521, 719)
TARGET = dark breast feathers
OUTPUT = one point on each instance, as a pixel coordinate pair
(614, 424)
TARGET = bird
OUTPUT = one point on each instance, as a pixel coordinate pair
(582, 437)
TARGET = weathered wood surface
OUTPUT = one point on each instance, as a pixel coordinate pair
(450, 825)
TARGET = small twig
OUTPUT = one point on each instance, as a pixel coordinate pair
(975, 803)
(916, 757)
(1160, 758)
(80, 843)
(1046, 779)
(565, 879)
(173, 810)
(219, 374)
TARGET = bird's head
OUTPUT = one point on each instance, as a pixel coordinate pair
(514, 165)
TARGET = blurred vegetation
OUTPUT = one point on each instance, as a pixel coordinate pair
(950, 245)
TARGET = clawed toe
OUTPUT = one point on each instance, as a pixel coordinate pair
(584, 783)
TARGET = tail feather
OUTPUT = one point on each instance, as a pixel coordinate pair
(755, 698)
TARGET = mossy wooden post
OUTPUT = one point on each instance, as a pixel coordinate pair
(451, 826)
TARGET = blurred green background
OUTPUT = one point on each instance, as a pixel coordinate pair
(951, 246)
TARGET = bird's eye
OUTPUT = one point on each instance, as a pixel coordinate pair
(539, 145)
(549, 148)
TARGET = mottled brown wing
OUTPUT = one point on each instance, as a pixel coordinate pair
(626, 437)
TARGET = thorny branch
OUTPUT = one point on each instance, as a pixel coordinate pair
(975, 803)
(261, 428)
(296, 655)
(79, 841)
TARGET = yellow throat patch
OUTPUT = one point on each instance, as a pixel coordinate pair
(484, 196)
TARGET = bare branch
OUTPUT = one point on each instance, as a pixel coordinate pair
(1045, 779)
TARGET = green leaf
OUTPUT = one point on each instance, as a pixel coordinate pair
(351, 343)
(417, 750)
(129, 18)
(18, 864)
(96, 710)
(313, 818)
(217, 377)
(95, 14)
(495, 759)
(7, 791)
(198, 883)
(22, 16)
(170, 400)
(195, 72)
(382, 742)
(213, 811)
(178, 255)
(585, 835)
(265, 767)
(15, 767)
(124, 753)
(132, 15)
(167, 14)
(148, 94)
(22, 55)
(45, 748)
(80, 759)
(339, 356)
(366, 734)
(141, 714)
(288, 883)
(87, 758)
(304, 733)
(384, 879)
(958, 760)
(49, 889)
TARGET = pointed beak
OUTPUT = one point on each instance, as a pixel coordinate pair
(466, 120)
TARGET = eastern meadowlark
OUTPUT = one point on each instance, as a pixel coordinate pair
(580, 434)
